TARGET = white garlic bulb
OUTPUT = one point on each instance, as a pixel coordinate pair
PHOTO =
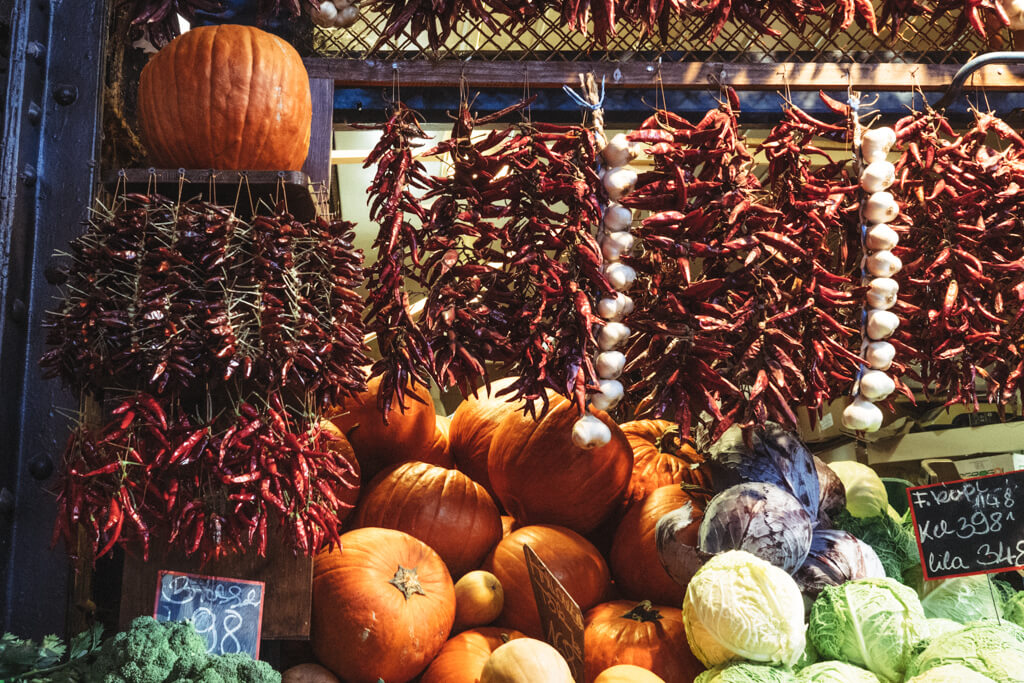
(884, 264)
(613, 308)
(615, 244)
(609, 396)
(877, 176)
(619, 181)
(627, 305)
(619, 151)
(881, 236)
(882, 293)
(881, 324)
(620, 276)
(347, 16)
(611, 335)
(327, 12)
(862, 416)
(617, 218)
(880, 355)
(875, 385)
(881, 207)
(589, 432)
(1014, 12)
(610, 364)
(876, 143)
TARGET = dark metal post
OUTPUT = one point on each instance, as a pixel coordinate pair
(47, 172)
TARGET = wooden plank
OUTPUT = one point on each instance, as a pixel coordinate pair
(678, 76)
(289, 581)
(321, 139)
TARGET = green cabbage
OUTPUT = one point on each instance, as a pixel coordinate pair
(745, 672)
(874, 623)
(737, 606)
(938, 627)
(987, 647)
(950, 673)
(835, 672)
(807, 657)
(894, 543)
(967, 598)
(1013, 610)
(865, 492)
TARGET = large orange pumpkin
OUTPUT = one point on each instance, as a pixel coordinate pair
(226, 97)
(407, 435)
(437, 451)
(463, 657)
(573, 560)
(634, 557)
(473, 424)
(661, 458)
(383, 605)
(443, 508)
(651, 637)
(541, 477)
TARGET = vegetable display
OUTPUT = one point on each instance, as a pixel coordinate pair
(989, 649)
(836, 557)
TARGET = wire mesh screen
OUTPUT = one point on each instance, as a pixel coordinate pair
(925, 40)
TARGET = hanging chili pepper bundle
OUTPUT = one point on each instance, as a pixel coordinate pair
(155, 473)
(962, 286)
(160, 17)
(191, 299)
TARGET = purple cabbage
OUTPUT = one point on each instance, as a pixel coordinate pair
(769, 455)
(835, 558)
(832, 493)
(760, 518)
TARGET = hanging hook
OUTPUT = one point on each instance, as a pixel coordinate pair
(957, 85)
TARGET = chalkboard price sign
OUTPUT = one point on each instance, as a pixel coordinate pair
(560, 616)
(227, 613)
(970, 526)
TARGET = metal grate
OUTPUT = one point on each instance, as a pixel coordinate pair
(924, 40)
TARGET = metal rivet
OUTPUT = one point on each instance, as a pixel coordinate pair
(40, 468)
(65, 94)
(18, 311)
(36, 51)
(34, 113)
(6, 502)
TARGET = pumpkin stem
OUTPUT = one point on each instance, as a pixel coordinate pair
(672, 442)
(644, 611)
(406, 581)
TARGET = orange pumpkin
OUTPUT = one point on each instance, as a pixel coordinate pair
(651, 637)
(573, 560)
(226, 97)
(443, 508)
(634, 557)
(463, 657)
(508, 525)
(661, 458)
(437, 451)
(337, 443)
(541, 477)
(407, 435)
(383, 605)
(473, 424)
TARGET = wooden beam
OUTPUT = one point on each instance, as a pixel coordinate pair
(678, 76)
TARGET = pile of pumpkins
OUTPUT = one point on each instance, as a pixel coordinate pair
(431, 583)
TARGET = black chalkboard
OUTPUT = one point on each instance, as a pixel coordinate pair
(227, 613)
(970, 526)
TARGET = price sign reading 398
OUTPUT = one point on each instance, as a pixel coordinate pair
(971, 526)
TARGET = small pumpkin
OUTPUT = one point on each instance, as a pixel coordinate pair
(472, 426)
(627, 673)
(443, 508)
(661, 457)
(648, 636)
(634, 559)
(479, 599)
(526, 660)
(508, 525)
(405, 437)
(308, 673)
(462, 658)
(226, 97)
(437, 451)
(383, 605)
(541, 477)
(573, 560)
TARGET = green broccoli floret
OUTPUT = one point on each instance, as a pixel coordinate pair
(240, 668)
(149, 652)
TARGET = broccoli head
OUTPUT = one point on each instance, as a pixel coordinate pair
(238, 667)
(149, 652)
